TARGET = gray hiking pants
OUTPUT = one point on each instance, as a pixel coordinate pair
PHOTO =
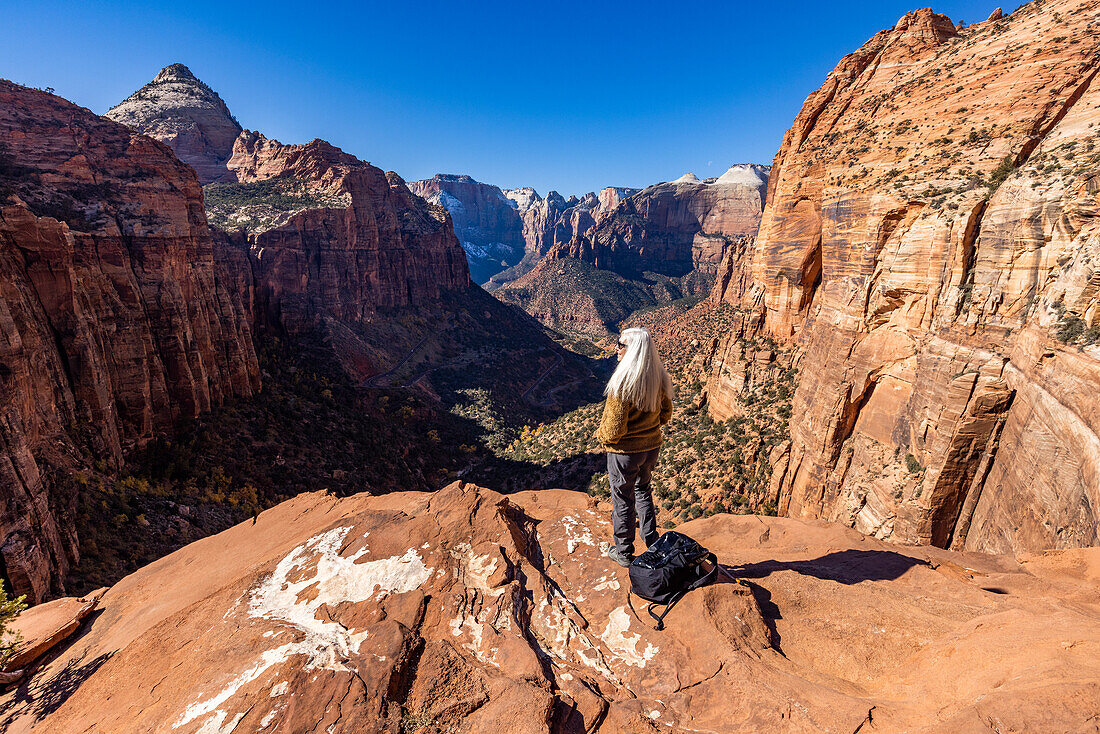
(631, 497)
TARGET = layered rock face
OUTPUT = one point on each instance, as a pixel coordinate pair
(179, 110)
(384, 248)
(119, 316)
(486, 222)
(639, 249)
(928, 248)
(550, 222)
(674, 228)
(463, 610)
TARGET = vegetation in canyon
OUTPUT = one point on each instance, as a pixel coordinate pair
(705, 467)
(257, 206)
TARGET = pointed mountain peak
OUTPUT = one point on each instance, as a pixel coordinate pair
(180, 110)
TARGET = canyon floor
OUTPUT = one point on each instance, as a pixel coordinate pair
(465, 610)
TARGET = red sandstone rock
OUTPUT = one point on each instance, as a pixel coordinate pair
(928, 217)
(547, 223)
(116, 319)
(45, 626)
(677, 230)
(185, 114)
(674, 228)
(384, 248)
(463, 610)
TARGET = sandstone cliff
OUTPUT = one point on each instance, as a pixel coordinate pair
(463, 610)
(119, 314)
(674, 228)
(486, 222)
(928, 251)
(356, 240)
(179, 110)
(640, 249)
(549, 222)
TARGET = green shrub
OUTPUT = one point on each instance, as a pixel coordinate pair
(912, 464)
(1070, 327)
(1003, 170)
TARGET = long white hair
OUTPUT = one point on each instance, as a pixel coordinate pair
(641, 377)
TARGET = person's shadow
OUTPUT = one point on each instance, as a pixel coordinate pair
(844, 567)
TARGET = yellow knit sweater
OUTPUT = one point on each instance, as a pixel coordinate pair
(626, 430)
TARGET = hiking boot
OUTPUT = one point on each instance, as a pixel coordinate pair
(619, 557)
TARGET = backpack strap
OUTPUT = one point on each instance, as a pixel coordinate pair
(709, 576)
(668, 608)
(703, 580)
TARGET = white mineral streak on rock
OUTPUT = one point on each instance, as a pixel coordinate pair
(337, 579)
(562, 638)
(478, 569)
(606, 583)
(624, 646)
(573, 538)
(214, 724)
(279, 688)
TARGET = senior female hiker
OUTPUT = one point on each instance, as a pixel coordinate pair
(639, 402)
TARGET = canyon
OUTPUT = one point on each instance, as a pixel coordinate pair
(584, 264)
(505, 232)
(120, 315)
(125, 313)
(886, 344)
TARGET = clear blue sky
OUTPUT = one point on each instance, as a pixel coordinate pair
(569, 97)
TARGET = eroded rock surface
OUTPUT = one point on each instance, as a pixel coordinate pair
(45, 626)
(928, 248)
(464, 610)
(358, 242)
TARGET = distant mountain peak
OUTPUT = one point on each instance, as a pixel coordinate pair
(178, 109)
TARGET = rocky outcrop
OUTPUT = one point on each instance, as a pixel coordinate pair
(486, 222)
(549, 222)
(119, 314)
(182, 112)
(464, 610)
(928, 247)
(42, 628)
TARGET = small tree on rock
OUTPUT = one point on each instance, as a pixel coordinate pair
(9, 610)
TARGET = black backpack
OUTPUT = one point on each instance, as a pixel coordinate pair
(673, 566)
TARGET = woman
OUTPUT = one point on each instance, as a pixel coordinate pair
(639, 402)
